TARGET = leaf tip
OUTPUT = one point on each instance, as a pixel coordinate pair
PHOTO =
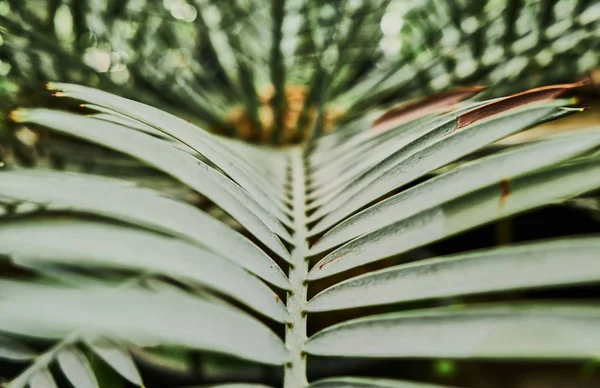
(18, 115)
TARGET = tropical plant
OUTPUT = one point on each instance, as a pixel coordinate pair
(112, 265)
(323, 247)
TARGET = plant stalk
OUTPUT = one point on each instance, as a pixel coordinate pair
(295, 333)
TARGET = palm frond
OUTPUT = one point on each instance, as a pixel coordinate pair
(185, 279)
(266, 241)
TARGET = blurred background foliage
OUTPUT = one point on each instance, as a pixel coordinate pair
(244, 67)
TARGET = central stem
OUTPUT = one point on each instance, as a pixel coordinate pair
(295, 335)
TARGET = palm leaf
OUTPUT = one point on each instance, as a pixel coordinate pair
(23, 305)
(465, 132)
(178, 164)
(505, 331)
(106, 267)
(466, 212)
(462, 180)
(528, 266)
(87, 194)
(217, 292)
(42, 379)
(118, 358)
(76, 368)
(135, 250)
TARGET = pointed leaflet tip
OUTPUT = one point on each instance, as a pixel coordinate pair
(18, 115)
(57, 87)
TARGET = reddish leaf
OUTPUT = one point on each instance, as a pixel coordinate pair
(502, 105)
(420, 107)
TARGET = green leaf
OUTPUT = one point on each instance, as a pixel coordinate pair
(182, 166)
(463, 213)
(120, 119)
(77, 368)
(423, 157)
(137, 316)
(270, 163)
(117, 357)
(123, 201)
(464, 179)
(534, 265)
(187, 133)
(346, 151)
(41, 379)
(373, 149)
(90, 244)
(543, 331)
(365, 151)
(13, 350)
